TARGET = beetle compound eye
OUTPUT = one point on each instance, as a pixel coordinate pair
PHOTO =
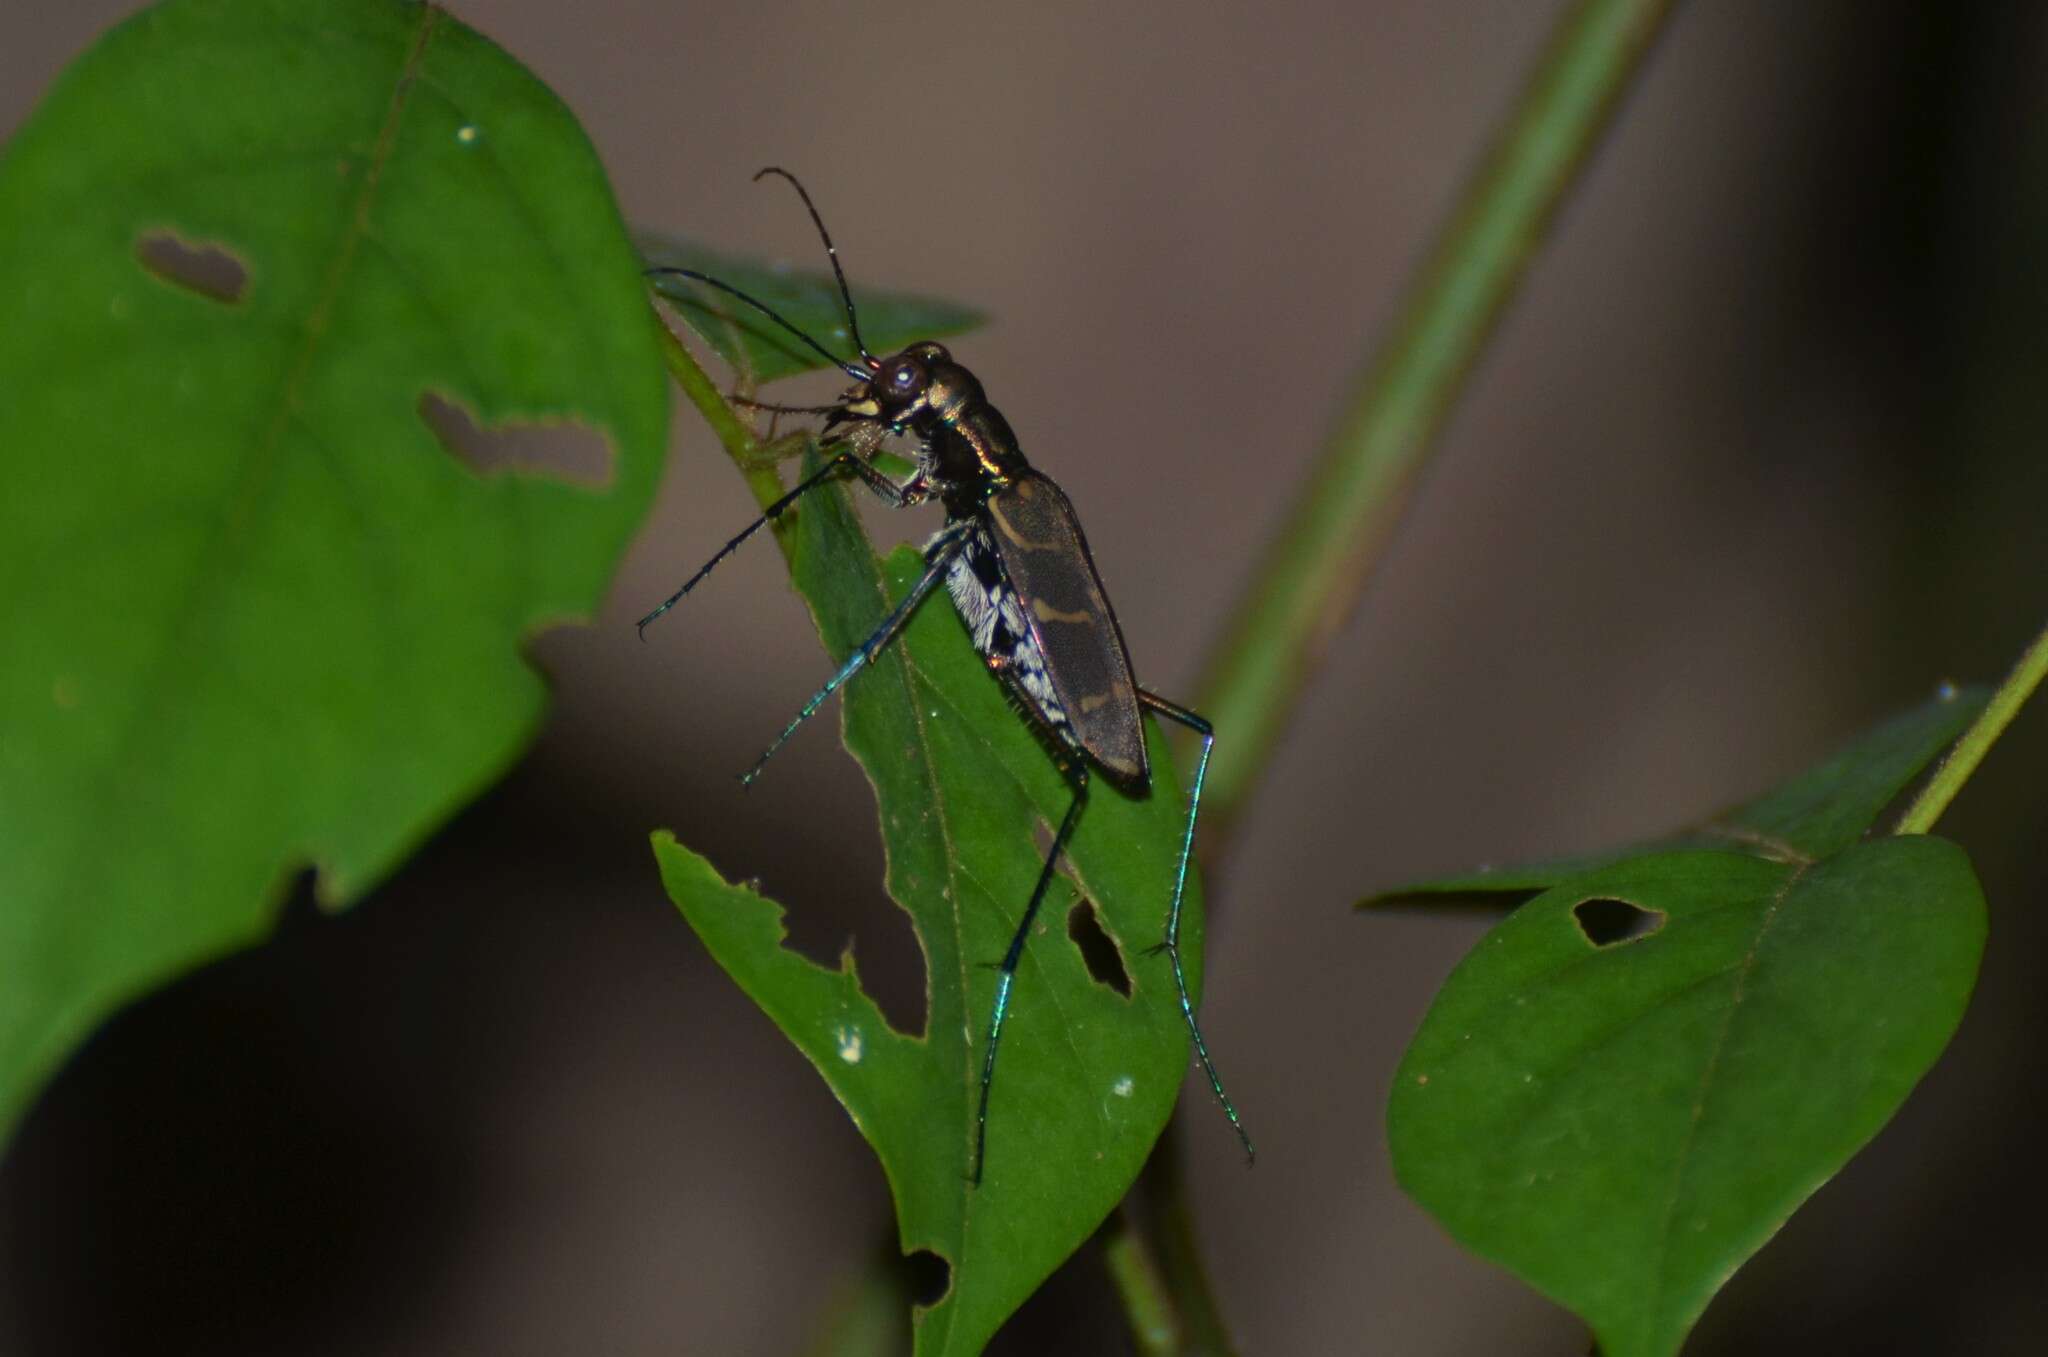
(906, 379)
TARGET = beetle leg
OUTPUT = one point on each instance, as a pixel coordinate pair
(1171, 944)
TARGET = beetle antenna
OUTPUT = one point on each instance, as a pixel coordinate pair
(858, 374)
(831, 252)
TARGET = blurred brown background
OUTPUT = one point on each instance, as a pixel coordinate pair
(1756, 460)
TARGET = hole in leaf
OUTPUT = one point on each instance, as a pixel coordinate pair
(1105, 961)
(208, 269)
(559, 449)
(835, 928)
(930, 1278)
(1607, 923)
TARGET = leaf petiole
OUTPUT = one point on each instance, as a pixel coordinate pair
(1969, 751)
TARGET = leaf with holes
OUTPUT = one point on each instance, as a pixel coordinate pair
(1632, 1081)
(1087, 1074)
(1821, 811)
(258, 615)
(808, 299)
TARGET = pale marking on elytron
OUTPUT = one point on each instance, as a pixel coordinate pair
(1045, 612)
(1010, 532)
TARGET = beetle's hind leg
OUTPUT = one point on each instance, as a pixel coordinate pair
(1170, 944)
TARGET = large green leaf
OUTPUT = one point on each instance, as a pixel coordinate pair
(1087, 1077)
(1820, 811)
(807, 299)
(1622, 1120)
(257, 616)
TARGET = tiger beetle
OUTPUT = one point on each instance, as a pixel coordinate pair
(1012, 557)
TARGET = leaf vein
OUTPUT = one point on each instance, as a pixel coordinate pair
(1699, 1107)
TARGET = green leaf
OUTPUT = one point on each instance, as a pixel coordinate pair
(1623, 1125)
(1086, 1077)
(1819, 812)
(258, 617)
(807, 299)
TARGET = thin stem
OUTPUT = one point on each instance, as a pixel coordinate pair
(1969, 751)
(1148, 1304)
(1155, 1224)
(1319, 562)
(1180, 1253)
(733, 436)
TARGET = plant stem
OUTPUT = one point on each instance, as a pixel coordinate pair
(1319, 561)
(1170, 1304)
(739, 444)
(1180, 1254)
(1148, 1305)
(1318, 564)
(1969, 751)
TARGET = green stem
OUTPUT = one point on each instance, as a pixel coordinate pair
(1319, 561)
(1969, 751)
(1180, 1254)
(1171, 1298)
(1158, 1229)
(1148, 1304)
(733, 436)
(1316, 569)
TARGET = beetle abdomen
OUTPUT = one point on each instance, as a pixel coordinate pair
(988, 604)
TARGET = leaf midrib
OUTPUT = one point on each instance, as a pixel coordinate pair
(1659, 1273)
(915, 679)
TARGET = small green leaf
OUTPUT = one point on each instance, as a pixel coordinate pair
(805, 298)
(1087, 1077)
(1819, 812)
(258, 615)
(1623, 1125)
